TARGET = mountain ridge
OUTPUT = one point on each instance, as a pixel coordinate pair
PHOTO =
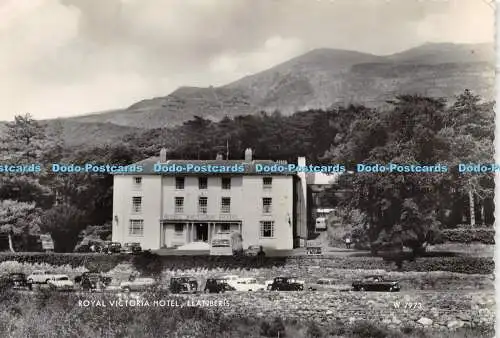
(319, 78)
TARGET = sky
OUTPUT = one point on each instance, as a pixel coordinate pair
(60, 58)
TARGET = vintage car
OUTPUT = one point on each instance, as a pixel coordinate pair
(104, 279)
(185, 284)
(61, 283)
(113, 247)
(17, 280)
(131, 248)
(139, 284)
(327, 284)
(376, 283)
(269, 283)
(255, 250)
(247, 284)
(218, 285)
(287, 284)
(42, 277)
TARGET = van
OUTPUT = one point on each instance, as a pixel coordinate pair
(221, 247)
(320, 224)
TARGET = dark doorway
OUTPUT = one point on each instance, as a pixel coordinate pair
(202, 232)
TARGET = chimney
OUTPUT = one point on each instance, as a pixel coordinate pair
(248, 155)
(163, 155)
(219, 157)
(301, 161)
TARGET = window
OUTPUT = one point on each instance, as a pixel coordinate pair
(179, 205)
(226, 205)
(202, 205)
(179, 227)
(267, 203)
(202, 183)
(137, 182)
(136, 204)
(226, 183)
(225, 227)
(267, 229)
(179, 183)
(267, 182)
(136, 227)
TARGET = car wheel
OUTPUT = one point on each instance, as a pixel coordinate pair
(127, 290)
(250, 290)
(47, 281)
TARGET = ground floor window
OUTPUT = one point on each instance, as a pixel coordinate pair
(136, 227)
(225, 227)
(179, 227)
(267, 229)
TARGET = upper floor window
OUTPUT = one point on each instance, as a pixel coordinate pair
(202, 182)
(225, 205)
(179, 183)
(137, 182)
(136, 227)
(226, 183)
(179, 205)
(267, 229)
(202, 205)
(267, 203)
(267, 182)
(136, 204)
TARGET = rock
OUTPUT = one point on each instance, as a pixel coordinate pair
(455, 324)
(425, 321)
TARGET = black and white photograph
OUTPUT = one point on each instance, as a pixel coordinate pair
(247, 168)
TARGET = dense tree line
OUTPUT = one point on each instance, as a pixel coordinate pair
(402, 208)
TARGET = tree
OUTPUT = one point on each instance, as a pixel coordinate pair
(402, 208)
(16, 218)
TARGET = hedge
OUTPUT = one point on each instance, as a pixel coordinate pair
(153, 263)
(483, 235)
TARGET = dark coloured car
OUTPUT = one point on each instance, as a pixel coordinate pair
(131, 248)
(217, 285)
(286, 284)
(376, 283)
(18, 279)
(113, 247)
(91, 276)
(183, 285)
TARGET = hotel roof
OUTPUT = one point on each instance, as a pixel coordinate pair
(181, 167)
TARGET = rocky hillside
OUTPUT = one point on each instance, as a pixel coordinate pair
(318, 79)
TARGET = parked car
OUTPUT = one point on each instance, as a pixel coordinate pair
(247, 284)
(230, 277)
(61, 283)
(113, 247)
(82, 248)
(41, 277)
(131, 248)
(217, 285)
(139, 284)
(183, 285)
(255, 250)
(327, 284)
(376, 283)
(269, 283)
(287, 284)
(17, 279)
(104, 279)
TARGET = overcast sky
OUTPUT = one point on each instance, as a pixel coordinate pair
(66, 57)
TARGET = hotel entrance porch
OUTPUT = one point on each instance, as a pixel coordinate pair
(177, 233)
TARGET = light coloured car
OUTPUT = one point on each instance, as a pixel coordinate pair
(139, 284)
(61, 283)
(247, 284)
(41, 277)
(230, 278)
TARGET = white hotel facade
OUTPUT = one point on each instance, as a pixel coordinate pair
(168, 210)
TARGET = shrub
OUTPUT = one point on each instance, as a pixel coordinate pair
(364, 329)
(483, 235)
(274, 329)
